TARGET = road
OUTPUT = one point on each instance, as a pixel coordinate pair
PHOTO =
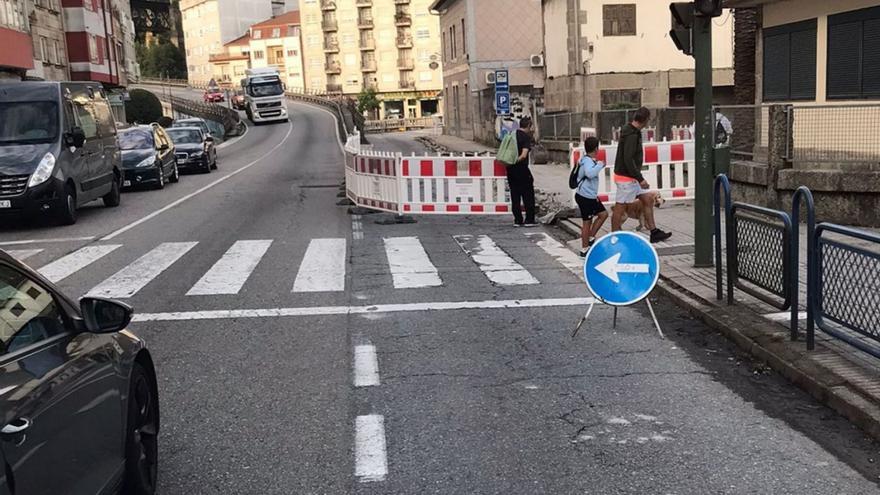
(294, 357)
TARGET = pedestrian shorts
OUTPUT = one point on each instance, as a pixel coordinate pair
(589, 207)
(627, 192)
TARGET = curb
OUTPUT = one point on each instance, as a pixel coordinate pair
(769, 343)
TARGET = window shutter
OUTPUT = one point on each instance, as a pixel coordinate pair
(871, 58)
(802, 47)
(776, 67)
(844, 43)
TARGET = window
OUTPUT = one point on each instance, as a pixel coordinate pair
(854, 54)
(443, 45)
(313, 40)
(257, 34)
(790, 62)
(615, 99)
(258, 54)
(292, 53)
(315, 63)
(463, 42)
(619, 19)
(276, 32)
(348, 39)
(293, 31)
(238, 71)
(28, 312)
(93, 49)
(423, 34)
(424, 55)
(44, 49)
(294, 74)
(58, 52)
(452, 42)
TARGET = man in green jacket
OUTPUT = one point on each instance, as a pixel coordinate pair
(631, 186)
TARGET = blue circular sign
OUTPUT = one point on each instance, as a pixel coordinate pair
(621, 268)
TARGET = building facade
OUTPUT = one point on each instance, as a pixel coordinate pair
(100, 37)
(49, 43)
(209, 24)
(230, 65)
(479, 37)
(276, 43)
(391, 46)
(17, 55)
(602, 55)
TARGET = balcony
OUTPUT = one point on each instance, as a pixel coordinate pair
(363, 3)
(407, 84)
(404, 42)
(405, 64)
(331, 47)
(333, 68)
(334, 88)
(368, 44)
(328, 5)
(402, 20)
(329, 25)
(365, 22)
(368, 66)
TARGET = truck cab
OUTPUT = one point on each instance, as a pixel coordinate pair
(264, 99)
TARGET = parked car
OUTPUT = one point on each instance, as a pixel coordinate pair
(238, 101)
(78, 392)
(194, 122)
(147, 156)
(214, 95)
(57, 149)
(193, 149)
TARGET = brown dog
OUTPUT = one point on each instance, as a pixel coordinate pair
(634, 210)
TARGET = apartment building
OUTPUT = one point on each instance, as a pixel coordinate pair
(209, 24)
(603, 54)
(17, 56)
(100, 41)
(478, 38)
(230, 64)
(276, 43)
(48, 38)
(391, 46)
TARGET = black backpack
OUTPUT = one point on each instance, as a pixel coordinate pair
(573, 182)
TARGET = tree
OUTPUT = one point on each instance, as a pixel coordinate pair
(143, 107)
(161, 59)
(367, 101)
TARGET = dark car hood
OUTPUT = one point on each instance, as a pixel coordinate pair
(22, 159)
(188, 148)
(130, 158)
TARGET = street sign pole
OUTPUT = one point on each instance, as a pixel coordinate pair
(703, 123)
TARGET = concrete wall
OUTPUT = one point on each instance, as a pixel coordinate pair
(556, 37)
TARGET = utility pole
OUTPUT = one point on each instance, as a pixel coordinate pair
(692, 34)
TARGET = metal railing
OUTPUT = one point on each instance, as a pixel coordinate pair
(387, 125)
(760, 253)
(567, 126)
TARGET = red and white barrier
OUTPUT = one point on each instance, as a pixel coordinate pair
(453, 185)
(668, 168)
(371, 180)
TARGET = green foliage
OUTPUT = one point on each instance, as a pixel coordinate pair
(143, 107)
(367, 101)
(161, 60)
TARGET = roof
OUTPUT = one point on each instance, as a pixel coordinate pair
(284, 19)
(439, 5)
(242, 40)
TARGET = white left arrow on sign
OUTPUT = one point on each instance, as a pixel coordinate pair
(612, 267)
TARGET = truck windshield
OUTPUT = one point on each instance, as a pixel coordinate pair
(265, 89)
(28, 122)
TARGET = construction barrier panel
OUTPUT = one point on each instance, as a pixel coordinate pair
(454, 185)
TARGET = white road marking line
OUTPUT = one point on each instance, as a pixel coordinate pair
(23, 254)
(36, 241)
(228, 176)
(498, 266)
(231, 271)
(357, 228)
(785, 316)
(366, 366)
(323, 267)
(370, 456)
(559, 252)
(410, 266)
(360, 310)
(66, 266)
(128, 281)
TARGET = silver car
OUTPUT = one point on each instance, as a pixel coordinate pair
(78, 393)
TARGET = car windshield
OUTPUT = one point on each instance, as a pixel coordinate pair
(135, 139)
(266, 89)
(185, 136)
(28, 122)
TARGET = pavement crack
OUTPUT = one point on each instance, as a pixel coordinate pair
(597, 375)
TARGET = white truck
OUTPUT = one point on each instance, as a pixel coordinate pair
(264, 99)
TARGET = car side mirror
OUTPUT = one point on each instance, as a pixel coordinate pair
(209, 138)
(76, 137)
(105, 315)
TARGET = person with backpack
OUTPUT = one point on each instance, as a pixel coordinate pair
(584, 178)
(519, 177)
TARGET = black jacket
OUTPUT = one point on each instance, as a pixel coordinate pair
(630, 155)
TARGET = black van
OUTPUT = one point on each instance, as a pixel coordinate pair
(58, 149)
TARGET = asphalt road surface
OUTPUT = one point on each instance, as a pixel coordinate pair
(301, 349)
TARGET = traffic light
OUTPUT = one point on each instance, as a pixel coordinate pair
(707, 8)
(682, 25)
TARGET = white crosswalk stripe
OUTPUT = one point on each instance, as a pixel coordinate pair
(66, 266)
(23, 254)
(323, 267)
(559, 252)
(409, 263)
(497, 265)
(134, 277)
(229, 274)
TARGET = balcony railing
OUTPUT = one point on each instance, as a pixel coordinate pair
(407, 84)
(405, 64)
(331, 46)
(365, 22)
(334, 88)
(368, 44)
(333, 68)
(404, 42)
(368, 65)
(328, 5)
(329, 25)
(402, 20)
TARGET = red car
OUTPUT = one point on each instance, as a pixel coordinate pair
(213, 95)
(238, 101)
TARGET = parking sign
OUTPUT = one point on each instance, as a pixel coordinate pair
(502, 103)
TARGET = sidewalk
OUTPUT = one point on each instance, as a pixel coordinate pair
(838, 375)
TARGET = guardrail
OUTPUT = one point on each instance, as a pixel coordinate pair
(344, 121)
(228, 118)
(388, 125)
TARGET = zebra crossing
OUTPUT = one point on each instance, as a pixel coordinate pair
(322, 268)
